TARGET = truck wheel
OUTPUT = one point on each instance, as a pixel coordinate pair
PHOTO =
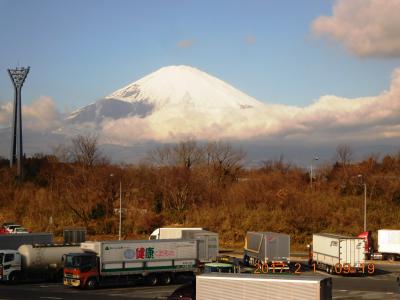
(13, 278)
(246, 260)
(391, 257)
(152, 280)
(166, 279)
(92, 283)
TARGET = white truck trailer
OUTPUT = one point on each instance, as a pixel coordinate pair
(223, 286)
(170, 232)
(208, 244)
(338, 253)
(389, 244)
(267, 248)
(129, 261)
(32, 262)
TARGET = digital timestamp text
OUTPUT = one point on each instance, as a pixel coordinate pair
(299, 269)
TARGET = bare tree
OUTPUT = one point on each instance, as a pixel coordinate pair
(184, 154)
(225, 160)
(160, 156)
(344, 154)
(188, 153)
(62, 152)
(276, 165)
(85, 150)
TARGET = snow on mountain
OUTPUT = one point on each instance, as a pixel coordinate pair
(171, 102)
(173, 86)
(184, 85)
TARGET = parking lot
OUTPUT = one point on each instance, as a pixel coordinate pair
(381, 285)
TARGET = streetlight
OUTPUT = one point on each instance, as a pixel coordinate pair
(311, 169)
(365, 201)
(120, 207)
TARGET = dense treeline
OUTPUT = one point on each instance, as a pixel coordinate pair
(199, 185)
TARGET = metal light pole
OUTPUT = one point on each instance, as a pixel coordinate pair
(311, 171)
(365, 202)
(18, 76)
(365, 206)
(120, 208)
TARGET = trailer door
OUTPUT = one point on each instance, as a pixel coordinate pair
(270, 248)
(352, 251)
(202, 248)
(345, 251)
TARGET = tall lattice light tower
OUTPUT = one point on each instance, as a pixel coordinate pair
(17, 76)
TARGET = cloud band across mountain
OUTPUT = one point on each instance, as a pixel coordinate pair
(182, 102)
(329, 118)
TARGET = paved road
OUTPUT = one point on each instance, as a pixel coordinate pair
(58, 291)
(382, 285)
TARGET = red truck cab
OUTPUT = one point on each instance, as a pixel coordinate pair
(81, 270)
(369, 249)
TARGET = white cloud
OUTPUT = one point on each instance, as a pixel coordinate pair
(365, 27)
(40, 115)
(5, 114)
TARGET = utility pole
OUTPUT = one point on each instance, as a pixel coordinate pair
(365, 201)
(365, 206)
(311, 170)
(120, 208)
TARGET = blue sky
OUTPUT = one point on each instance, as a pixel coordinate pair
(80, 51)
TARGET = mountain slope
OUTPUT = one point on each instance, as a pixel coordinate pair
(173, 87)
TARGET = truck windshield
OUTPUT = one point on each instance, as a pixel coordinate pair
(82, 262)
(72, 261)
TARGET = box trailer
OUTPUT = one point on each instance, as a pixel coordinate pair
(223, 286)
(389, 243)
(338, 253)
(13, 241)
(208, 242)
(267, 248)
(129, 261)
(207, 246)
(170, 232)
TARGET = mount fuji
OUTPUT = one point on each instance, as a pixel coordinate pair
(170, 103)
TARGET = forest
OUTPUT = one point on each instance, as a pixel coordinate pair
(202, 185)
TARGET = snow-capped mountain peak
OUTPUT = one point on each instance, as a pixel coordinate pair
(174, 85)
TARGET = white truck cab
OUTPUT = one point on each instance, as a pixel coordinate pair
(10, 265)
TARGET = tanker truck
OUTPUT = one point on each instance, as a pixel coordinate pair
(34, 262)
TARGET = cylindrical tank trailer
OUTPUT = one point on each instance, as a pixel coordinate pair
(47, 257)
(34, 261)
